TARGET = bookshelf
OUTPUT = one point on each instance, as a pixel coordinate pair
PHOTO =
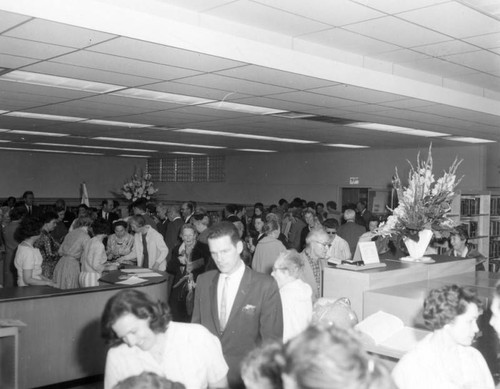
(480, 212)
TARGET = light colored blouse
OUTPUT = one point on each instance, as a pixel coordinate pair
(433, 364)
(119, 247)
(94, 256)
(28, 258)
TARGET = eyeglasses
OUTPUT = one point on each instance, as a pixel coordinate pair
(331, 232)
(324, 244)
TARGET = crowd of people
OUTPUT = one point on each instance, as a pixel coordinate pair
(241, 293)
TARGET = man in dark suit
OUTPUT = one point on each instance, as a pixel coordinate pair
(29, 204)
(240, 306)
(351, 231)
(172, 237)
(106, 212)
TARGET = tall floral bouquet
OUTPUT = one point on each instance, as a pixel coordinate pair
(424, 203)
(139, 186)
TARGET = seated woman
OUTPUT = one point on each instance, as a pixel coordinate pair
(143, 338)
(119, 243)
(94, 259)
(268, 249)
(47, 244)
(328, 357)
(28, 259)
(445, 358)
(462, 249)
(67, 270)
(187, 263)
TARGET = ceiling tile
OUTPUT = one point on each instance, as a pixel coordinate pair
(357, 94)
(194, 90)
(446, 48)
(233, 85)
(39, 90)
(487, 41)
(9, 20)
(275, 77)
(82, 73)
(264, 17)
(448, 19)
(349, 41)
(58, 34)
(481, 60)
(112, 63)
(276, 103)
(14, 62)
(198, 5)
(30, 49)
(334, 13)
(439, 67)
(396, 6)
(400, 56)
(316, 99)
(398, 32)
(151, 52)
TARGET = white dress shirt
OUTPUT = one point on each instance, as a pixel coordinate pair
(233, 286)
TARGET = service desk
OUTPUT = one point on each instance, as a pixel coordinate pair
(62, 340)
(353, 284)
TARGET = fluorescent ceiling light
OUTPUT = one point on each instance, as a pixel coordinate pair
(4, 141)
(4, 130)
(22, 132)
(227, 106)
(133, 156)
(117, 124)
(186, 153)
(59, 82)
(245, 136)
(2, 111)
(32, 115)
(49, 151)
(294, 115)
(468, 139)
(396, 129)
(93, 147)
(154, 142)
(258, 150)
(347, 146)
(145, 94)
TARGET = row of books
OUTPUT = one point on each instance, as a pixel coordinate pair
(495, 206)
(494, 248)
(494, 227)
(470, 206)
(472, 228)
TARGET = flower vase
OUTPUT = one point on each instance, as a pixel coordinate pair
(416, 250)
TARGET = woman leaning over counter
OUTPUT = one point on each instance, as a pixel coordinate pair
(28, 260)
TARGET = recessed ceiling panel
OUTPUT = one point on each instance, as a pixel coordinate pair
(57, 33)
(30, 49)
(9, 20)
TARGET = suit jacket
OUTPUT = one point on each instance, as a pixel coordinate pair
(351, 232)
(112, 217)
(256, 316)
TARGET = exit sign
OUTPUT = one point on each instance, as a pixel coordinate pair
(353, 180)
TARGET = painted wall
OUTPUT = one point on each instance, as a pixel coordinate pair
(60, 175)
(249, 178)
(320, 176)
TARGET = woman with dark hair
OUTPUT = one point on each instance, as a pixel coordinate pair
(121, 242)
(268, 249)
(9, 270)
(143, 338)
(329, 357)
(47, 245)
(28, 260)
(94, 256)
(187, 263)
(67, 269)
(445, 358)
(461, 248)
(258, 210)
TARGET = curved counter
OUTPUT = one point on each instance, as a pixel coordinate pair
(61, 340)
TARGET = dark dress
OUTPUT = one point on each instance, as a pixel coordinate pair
(178, 297)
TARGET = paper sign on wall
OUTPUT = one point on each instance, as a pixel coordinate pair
(353, 180)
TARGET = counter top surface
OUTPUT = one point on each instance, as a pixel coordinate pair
(35, 292)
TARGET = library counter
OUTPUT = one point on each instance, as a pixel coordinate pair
(62, 341)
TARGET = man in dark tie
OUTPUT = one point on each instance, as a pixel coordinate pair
(106, 212)
(29, 203)
(240, 306)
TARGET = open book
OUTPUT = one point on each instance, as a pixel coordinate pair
(388, 331)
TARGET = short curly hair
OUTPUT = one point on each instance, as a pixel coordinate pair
(137, 303)
(443, 304)
(330, 357)
(28, 227)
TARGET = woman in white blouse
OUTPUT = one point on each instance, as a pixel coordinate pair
(28, 260)
(445, 358)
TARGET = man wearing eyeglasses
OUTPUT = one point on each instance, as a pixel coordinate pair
(339, 249)
(296, 295)
(314, 255)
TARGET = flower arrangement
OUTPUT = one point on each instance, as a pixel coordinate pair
(424, 203)
(139, 186)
